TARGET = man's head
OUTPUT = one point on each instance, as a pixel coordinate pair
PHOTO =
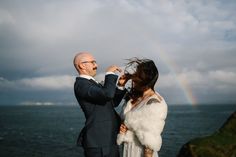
(85, 64)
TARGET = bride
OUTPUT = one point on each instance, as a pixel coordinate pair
(144, 113)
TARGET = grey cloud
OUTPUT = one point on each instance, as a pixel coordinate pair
(39, 39)
(52, 89)
(54, 83)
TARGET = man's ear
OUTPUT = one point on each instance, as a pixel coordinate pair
(80, 66)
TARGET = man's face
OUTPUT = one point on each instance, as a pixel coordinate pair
(90, 65)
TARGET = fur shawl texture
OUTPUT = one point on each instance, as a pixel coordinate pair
(145, 123)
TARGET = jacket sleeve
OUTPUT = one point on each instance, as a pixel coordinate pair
(97, 93)
(119, 96)
(148, 123)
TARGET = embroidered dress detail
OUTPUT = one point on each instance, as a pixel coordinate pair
(152, 100)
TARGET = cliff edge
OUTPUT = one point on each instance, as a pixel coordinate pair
(222, 143)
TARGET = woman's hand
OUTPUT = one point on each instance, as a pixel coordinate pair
(148, 152)
(123, 129)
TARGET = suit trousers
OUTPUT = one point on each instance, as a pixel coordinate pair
(113, 151)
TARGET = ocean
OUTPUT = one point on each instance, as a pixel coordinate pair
(51, 131)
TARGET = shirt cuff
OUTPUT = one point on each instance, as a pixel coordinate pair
(107, 73)
(120, 87)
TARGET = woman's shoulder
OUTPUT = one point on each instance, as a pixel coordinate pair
(156, 106)
(155, 98)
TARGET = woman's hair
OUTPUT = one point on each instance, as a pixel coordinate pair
(144, 76)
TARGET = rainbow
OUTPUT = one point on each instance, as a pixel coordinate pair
(182, 82)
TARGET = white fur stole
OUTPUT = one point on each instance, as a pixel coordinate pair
(146, 123)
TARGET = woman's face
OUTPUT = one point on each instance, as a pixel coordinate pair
(136, 85)
(133, 84)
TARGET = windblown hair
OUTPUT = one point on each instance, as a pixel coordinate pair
(144, 76)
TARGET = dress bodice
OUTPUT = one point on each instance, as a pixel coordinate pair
(127, 106)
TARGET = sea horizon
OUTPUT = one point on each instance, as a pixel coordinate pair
(76, 104)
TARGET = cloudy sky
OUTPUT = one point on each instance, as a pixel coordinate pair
(193, 43)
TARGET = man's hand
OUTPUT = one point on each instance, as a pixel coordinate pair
(122, 80)
(114, 69)
(123, 129)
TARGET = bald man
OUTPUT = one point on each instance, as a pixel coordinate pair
(98, 137)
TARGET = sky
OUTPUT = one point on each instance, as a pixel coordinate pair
(193, 44)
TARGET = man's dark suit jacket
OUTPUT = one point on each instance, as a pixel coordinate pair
(98, 102)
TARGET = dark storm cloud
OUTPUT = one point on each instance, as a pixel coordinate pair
(192, 41)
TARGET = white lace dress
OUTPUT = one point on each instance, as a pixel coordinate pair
(144, 126)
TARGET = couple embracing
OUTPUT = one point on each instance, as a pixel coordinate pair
(139, 126)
